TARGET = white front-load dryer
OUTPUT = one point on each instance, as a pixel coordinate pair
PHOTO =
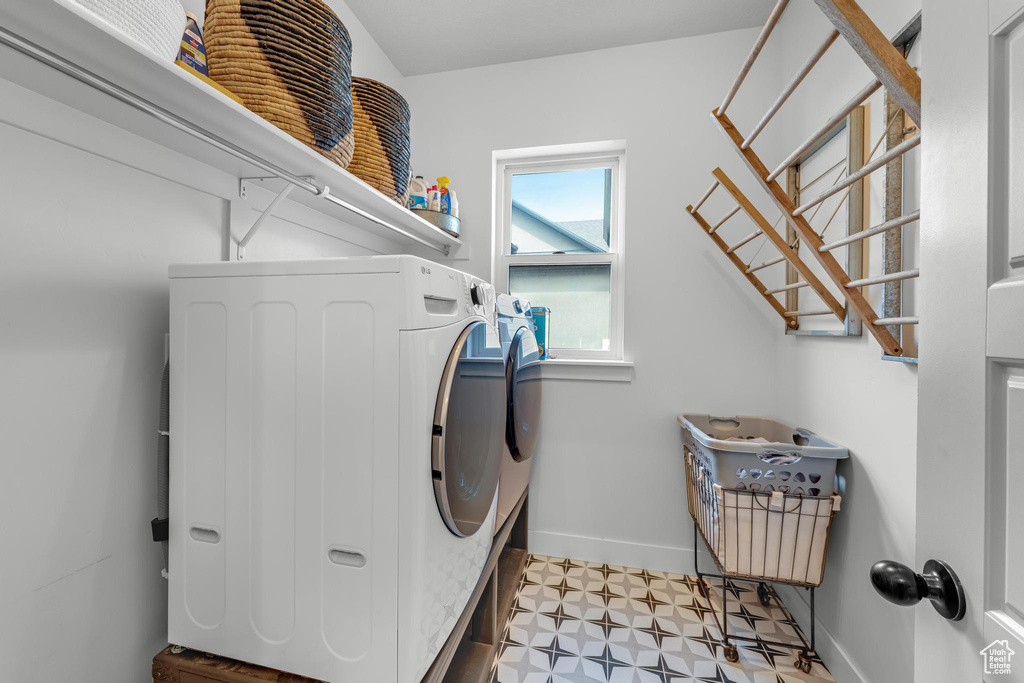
(523, 400)
(336, 435)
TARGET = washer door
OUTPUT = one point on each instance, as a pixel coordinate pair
(469, 421)
(522, 380)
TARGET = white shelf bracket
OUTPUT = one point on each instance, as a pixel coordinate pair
(243, 191)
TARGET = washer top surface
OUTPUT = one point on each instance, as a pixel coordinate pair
(320, 266)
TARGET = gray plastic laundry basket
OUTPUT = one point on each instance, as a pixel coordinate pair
(761, 454)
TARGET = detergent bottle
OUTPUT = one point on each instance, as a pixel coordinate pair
(446, 201)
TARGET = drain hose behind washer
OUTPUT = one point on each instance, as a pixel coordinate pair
(163, 453)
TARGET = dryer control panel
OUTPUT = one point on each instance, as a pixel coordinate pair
(434, 290)
(477, 296)
(513, 307)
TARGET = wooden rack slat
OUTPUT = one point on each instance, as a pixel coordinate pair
(704, 197)
(762, 38)
(786, 288)
(746, 240)
(857, 100)
(721, 221)
(766, 264)
(906, 320)
(866, 169)
(888, 277)
(791, 86)
(864, 234)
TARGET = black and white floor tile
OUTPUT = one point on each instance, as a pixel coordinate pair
(582, 621)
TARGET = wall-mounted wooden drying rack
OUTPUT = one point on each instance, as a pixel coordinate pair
(902, 83)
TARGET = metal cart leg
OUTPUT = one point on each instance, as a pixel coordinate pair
(813, 619)
(696, 567)
(803, 660)
(730, 651)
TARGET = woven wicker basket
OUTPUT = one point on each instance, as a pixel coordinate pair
(381, 122)
(291, 63)
(156, 24)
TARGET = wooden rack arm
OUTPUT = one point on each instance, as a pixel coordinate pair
(864, 234)
(762, 38)
(866, 169)
(857, 100)
(790, 87)
(884, 60)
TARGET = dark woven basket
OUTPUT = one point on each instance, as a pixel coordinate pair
(381, 124)
(291, 63)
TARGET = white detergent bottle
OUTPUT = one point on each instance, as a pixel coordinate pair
(418, 193)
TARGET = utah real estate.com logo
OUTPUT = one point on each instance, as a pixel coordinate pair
(997, 657)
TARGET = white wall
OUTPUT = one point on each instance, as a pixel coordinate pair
(87, 239)
(608, 478)
(841, 389)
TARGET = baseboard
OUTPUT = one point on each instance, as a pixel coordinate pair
(831, 652)
(622, 553)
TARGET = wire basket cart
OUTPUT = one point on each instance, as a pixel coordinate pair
(757, 529)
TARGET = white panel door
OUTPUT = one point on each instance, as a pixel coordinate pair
(970, 488)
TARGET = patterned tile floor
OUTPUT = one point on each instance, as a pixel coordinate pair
(582, 621)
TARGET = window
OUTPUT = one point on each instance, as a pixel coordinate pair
(559, 243)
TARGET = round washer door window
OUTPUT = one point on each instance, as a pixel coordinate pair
(522, 376)
(469, 425)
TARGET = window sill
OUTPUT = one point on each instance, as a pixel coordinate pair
(587, 370)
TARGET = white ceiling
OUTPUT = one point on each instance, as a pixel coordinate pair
(441, 35)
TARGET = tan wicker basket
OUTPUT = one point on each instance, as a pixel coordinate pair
(290, 62)
(381, 123)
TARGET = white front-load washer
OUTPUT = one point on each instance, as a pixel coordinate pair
(336, 436)
(523, 396)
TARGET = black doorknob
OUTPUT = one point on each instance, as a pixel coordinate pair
(899, 584)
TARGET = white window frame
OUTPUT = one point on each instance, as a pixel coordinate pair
(566, 158)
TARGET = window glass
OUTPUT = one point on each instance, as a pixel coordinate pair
(579, 297)
(561, 212)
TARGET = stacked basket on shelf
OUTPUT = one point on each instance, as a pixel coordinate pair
(156, 25)
(291, 63)
(382, 138)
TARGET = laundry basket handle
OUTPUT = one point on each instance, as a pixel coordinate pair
(725, 424)
(766, 457)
